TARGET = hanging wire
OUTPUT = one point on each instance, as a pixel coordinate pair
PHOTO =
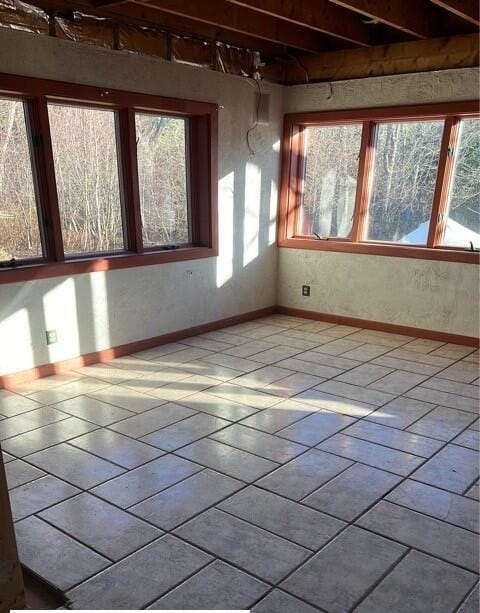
(300, 63)
(255, 123)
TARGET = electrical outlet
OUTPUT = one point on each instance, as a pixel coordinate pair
(51, 336)
(305, 290)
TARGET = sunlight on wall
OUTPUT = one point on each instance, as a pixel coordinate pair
(272, 228)
(276, 146)
(253, 186)
(100, 316)
(15, 343)
(60, 314)
(225, 229)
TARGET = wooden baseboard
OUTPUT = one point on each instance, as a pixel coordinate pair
(444, 337)
(45, 370)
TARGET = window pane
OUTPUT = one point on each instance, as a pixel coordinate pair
(330, 183)
(162, 178)
(405, 171)
(86, 171)
(463, 221)
(19, 229)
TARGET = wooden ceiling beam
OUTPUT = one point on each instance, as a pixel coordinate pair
(398, 58)
(102, 3)
(140, 15)
(466, 9)
(319, 15)
(228, 16)
(184, 26)
(416, 18)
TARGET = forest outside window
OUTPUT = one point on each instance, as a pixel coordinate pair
(330, 180)
(396, 181)
(20, 237)
(94, 179)
(162, 177)
(86, 171)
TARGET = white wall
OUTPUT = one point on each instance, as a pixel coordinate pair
(100, 310)
(433, 295)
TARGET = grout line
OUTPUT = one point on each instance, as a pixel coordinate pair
(384, 575)
(312, 410)
(466, 597)
(275, 534)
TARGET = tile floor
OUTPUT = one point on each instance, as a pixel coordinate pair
(284, 465)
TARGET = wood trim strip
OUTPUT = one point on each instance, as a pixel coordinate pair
(10, 380)
(47, 187)
(73, 93)
(285, 183)
(298, 177)
(394, 251)
(446, 165)
(386, 113)
(131, 198)
(112, 262)
(445, 337)
(367, 152)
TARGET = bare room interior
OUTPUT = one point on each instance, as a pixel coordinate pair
(239, 305)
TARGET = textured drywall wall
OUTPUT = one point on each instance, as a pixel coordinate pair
(99, 310)
(441, 296)
(421, 88)
(420, 293)
(104, 309)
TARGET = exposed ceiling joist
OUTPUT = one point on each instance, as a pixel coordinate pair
(100, 3)
(142, 15)
(319, 15)
(398, 58)
(416, 18)
(466, 9)
(185, 26)
(231, 17)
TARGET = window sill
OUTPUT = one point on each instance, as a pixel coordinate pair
(398, 251)
(45, 270)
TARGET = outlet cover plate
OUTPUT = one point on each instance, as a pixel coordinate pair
(51, 336)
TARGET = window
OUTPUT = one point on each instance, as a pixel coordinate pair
(20, 237)
(86, 173)
(463, 212)
(404, 175)
(162, 177)
(395, 181)
(94, 179)
(330, 179)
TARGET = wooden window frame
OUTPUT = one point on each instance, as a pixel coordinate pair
(293, 164)
(202, 152)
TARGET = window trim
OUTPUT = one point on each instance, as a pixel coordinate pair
(291, 186)
(202, 137)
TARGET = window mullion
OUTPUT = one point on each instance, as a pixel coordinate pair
(364, 181)
(299, 174)
(442, 187)
(44, 166)
(131, 196)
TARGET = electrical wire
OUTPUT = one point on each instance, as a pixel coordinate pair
(300, 63)
(255, 123)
